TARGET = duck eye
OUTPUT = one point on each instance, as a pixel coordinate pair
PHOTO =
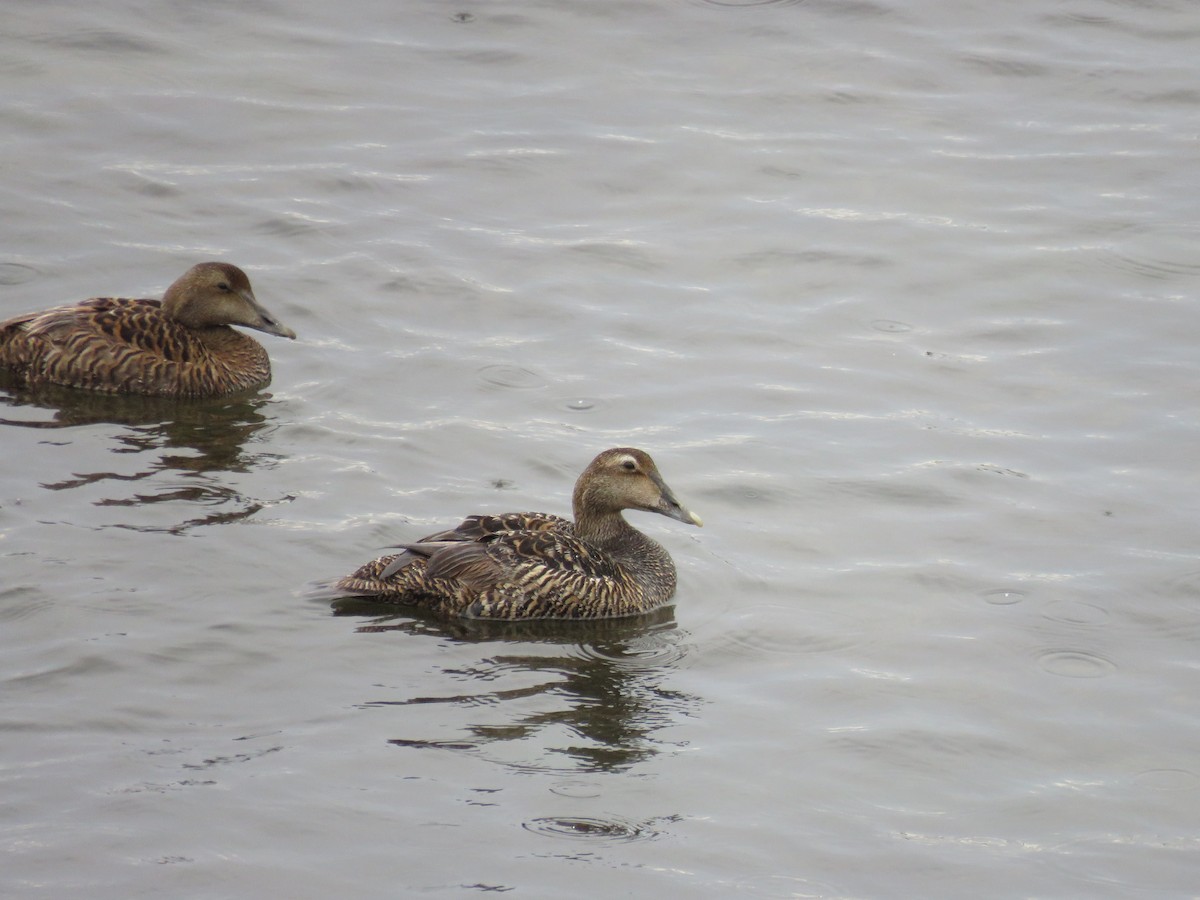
(224, 287)
(629, 465)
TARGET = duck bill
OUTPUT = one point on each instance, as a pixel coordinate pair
(672, 508)
(266, 322)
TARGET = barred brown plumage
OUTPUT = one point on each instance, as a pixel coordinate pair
(180, 346)
(537, 565)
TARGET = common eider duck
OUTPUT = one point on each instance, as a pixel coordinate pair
(538, 565)
(180, 346)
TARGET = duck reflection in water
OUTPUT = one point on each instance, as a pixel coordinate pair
(601, 683)
(175, 445)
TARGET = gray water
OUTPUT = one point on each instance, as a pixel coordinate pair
(901, 298)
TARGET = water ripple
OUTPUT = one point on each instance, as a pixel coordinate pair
(1162, 862)
(891, 326)
(1186, 585)
(1003, 596)
(647, 652)
(824, 631)
(603, 831)
(1075, 612)
(793, 886)
(511, 377)
(16, 273)
(748, 3)
(1157, 251)
(1071, 663)
(23, 603)
(582, 404)
(576, 789)
(1168, 780)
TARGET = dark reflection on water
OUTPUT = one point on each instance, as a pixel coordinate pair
(604, 687)
(168, 438)
(215, 428)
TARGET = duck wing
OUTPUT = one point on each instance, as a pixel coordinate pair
(119, 320)
(524, 574)
(478, 528)
(106, 343)
(475, 529)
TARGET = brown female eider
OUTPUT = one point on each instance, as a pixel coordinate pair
(536, 565)
(180, 346)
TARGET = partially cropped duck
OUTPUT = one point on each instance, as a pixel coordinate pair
(537, 565)
(180, 346)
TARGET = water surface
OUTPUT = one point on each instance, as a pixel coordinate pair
(901, 297)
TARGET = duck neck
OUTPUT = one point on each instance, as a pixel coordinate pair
(218, 335)
(605, 529)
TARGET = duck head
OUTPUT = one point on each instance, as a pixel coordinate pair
(627, 478)
(216, 293)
